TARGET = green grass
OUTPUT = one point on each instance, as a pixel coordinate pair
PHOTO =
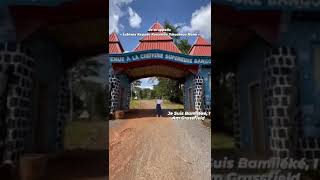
(222, 141)
(134, 104)
(171, 105)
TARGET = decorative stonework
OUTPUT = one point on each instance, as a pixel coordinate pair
(236, 113)
(18, 101)
(198, 93)
(278, 73)
(128, 97)
(3, 107)
(207, 109)
(310, 148)
(114, 83)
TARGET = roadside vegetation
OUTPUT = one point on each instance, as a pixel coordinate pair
(134, 104)
(86, 135)
(222, 141)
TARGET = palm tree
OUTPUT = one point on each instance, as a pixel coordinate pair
(182, 44)
(174, 29)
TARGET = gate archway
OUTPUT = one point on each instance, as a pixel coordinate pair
(157, 55)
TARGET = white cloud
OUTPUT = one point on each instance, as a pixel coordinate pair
(200, 22)
(134, 18)
(179, 24)
(115, 13)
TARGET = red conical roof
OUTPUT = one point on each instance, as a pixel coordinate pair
(157, 40)
(115, 46)
(155, 26)
(200, 48)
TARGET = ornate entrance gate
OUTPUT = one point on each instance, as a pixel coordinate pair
(157, 55)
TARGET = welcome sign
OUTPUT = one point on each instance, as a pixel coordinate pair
(273, 4)
(161, 55)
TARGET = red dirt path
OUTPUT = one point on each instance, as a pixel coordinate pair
(151, 148)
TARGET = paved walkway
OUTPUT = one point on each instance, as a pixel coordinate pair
(151, 148)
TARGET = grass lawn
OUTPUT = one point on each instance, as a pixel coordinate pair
(222, 141)
(134, 104)
(85, 134)
(171, 105)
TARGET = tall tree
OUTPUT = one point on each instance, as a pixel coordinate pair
(182, 44)
(135, 87)
(168, 89)
(174, 29)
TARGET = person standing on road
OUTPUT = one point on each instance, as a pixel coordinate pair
(159, 101)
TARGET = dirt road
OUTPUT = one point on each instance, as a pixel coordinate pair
(150, 148)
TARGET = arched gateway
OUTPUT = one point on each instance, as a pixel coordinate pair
(157, 55)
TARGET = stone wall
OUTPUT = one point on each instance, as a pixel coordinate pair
(19, 98)
(188, 83)
(3, 105)
(198, 93)
(128, 97)
(278, 101)
(236, 113)
(114, 83)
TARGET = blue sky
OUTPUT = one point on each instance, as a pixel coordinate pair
(136, 16)
(145, 83)
(143, 13)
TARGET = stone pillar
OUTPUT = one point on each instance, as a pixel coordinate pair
(198, 93)
(128, 97)
(236, 113)
(278, 67)
(3, 107)
(63, 110)
(114, 83)
(18, 99)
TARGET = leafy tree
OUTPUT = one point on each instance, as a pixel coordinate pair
(153, 94)
(146, 93)
(93, 98)
(169, 89)
(78, 74)
(135, 88)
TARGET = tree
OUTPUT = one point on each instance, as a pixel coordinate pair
(135, 88)
(83, 69)
(168, 89)
(93, 97)
(174, 30)
(182, 44)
